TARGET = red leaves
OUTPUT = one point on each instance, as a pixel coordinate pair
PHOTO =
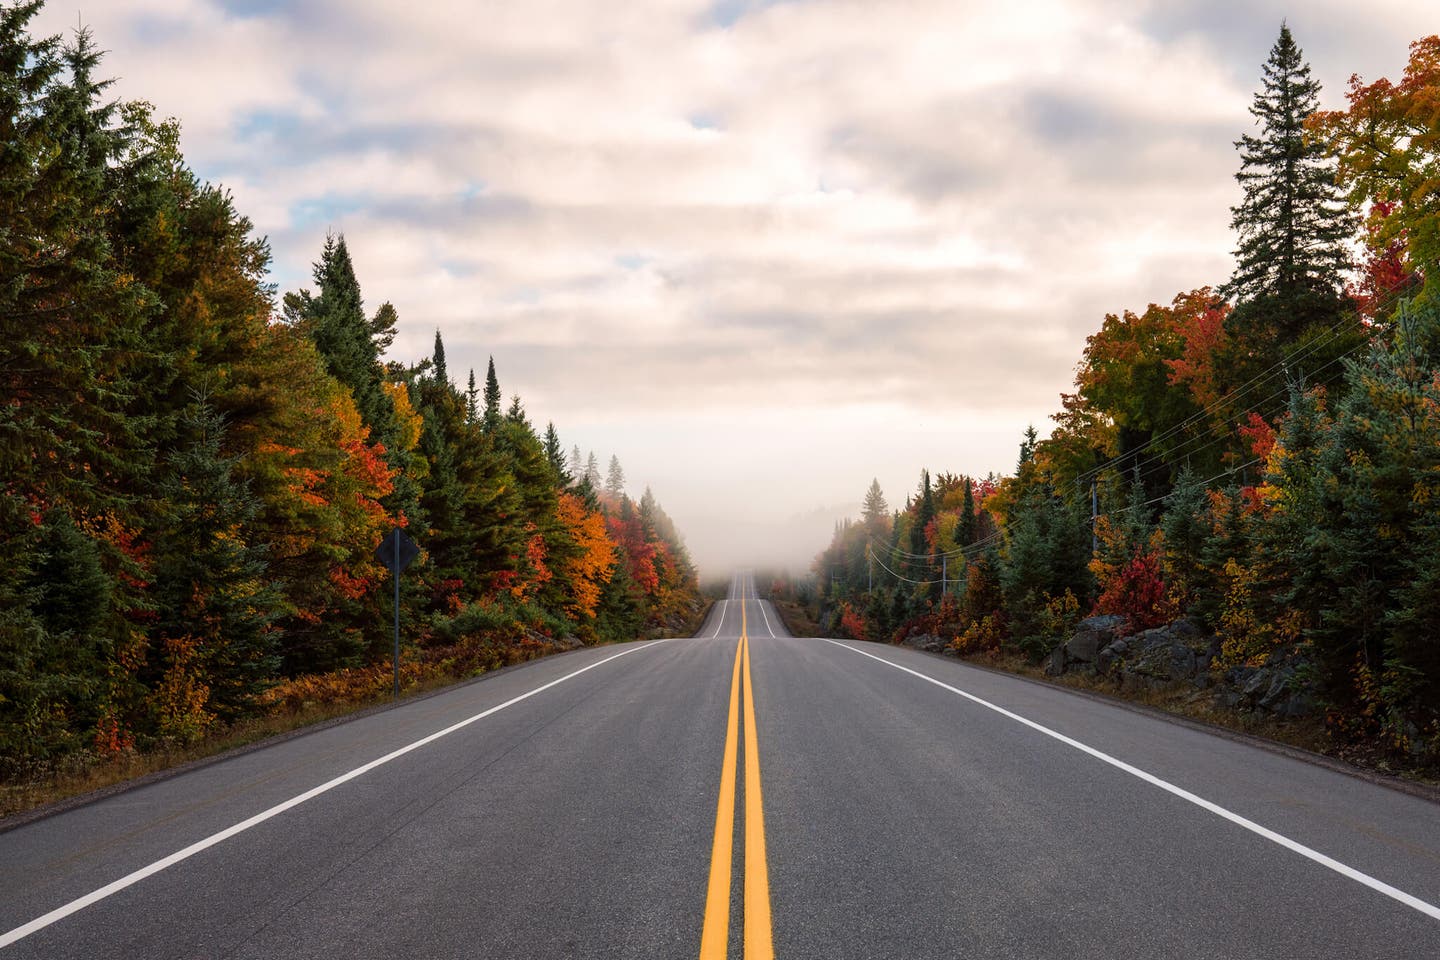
(1138, 592)
(1199, 318)
(1259, 434)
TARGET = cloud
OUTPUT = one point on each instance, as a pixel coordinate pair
(742, 217)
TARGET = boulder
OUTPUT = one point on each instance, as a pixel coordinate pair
(928, 642)
(1055, 661)
(1092, 635)
(1113, 655)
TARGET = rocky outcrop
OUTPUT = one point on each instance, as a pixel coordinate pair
(928, 642)
(1178, 653)
(1082, 650)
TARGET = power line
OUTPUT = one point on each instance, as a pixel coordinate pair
(1281, 366)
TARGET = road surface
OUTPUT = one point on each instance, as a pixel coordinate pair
(714, 796)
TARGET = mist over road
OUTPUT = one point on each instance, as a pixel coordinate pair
(741, 793)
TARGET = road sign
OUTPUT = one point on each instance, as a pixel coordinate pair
(397, 551)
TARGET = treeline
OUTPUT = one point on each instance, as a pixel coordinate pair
(192, 483)
(1262, 458)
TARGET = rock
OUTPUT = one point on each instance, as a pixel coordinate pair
(1092, 635)
(1055, 662)
(1112, 656)
(928, 642)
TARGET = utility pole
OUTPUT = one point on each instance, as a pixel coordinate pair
(869, 569)
(944, 573)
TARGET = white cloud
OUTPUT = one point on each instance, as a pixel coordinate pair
(761, 261)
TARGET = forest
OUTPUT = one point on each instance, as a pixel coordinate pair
(195, 471)
(1259, 458)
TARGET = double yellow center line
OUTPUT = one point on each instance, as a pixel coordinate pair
(715, 933)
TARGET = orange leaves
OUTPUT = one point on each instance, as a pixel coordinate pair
(181, 697)
(588, 572)
(852, 623)
(535, 560)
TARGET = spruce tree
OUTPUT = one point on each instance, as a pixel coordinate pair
(615, 478)
(491, 418)
(876, 511)
(214, 599)
(1292, 225)
(437, 357)
(556, 455)
(965, 530)
(382, 326)
(471, 396)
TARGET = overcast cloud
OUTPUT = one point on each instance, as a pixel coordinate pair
(760, 251)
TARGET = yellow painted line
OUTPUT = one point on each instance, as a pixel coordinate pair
(758, 942)
(715, 930)
(715, 933)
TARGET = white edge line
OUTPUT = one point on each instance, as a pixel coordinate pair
(768, 628)
(80, 903)
(1380, 886)
(723, 607)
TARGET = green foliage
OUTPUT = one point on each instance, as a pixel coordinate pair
(191, 490)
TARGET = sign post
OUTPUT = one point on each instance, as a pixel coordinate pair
(397, 551)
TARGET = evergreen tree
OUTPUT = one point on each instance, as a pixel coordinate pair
(592, 471)
(491, 418)
(1292, 227)
(214, 600)
(437, 357)
(556, 455)
(516, 413)
(965, 529)
(615, 478)
(383, 325)
(577, 463)
(875, 512)
(471, 397)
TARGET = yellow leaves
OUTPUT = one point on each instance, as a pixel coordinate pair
(181, 697)
(408, 421)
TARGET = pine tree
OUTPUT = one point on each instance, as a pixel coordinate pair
(491, 418)
(437, 357)
(1292, 226)
(876, 512)
(592, 471)
(615, 478)
(214, 599)
(471, 396)
(555, 453)
(965, 529)
(382, 326)
(516, 413)
(577, 463)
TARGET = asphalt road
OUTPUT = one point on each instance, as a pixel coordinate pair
(882, 803)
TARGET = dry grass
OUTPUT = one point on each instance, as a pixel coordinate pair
(85, 773)
(797, 619)
(1183, 700)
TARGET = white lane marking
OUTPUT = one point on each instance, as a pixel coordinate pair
(80, 903)
(768, 628)
(1380, 886)
(724, 604)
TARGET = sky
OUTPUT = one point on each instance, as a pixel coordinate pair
(760, 251)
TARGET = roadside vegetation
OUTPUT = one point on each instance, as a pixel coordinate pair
(195, 474)
(1241, 494)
